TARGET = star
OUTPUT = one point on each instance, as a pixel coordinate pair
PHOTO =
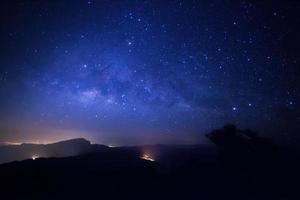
(140, 64)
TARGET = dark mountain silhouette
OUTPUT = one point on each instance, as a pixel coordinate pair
(73, 147)
(238, 168)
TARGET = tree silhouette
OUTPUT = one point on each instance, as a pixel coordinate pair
(241, 145)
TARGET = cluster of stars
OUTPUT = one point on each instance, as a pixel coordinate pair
(182, 66)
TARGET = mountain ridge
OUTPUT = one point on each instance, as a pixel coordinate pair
(65, 148)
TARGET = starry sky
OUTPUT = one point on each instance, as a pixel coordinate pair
(136, 72)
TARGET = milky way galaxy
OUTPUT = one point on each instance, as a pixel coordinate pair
(134, 72)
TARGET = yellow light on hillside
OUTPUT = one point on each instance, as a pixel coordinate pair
(147, 157)
(34, 157)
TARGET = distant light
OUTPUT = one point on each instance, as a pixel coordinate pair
(234, 108)
(12, 143)
(147, 157)
(34, 157)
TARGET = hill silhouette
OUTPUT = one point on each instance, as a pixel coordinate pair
(236, 168)
(73, 147)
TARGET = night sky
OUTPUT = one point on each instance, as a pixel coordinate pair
(136, 72)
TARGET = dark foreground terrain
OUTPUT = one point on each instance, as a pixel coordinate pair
(178, 172)
(119, 173)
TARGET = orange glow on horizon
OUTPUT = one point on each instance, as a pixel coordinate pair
(147, 157)
(12, 143)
